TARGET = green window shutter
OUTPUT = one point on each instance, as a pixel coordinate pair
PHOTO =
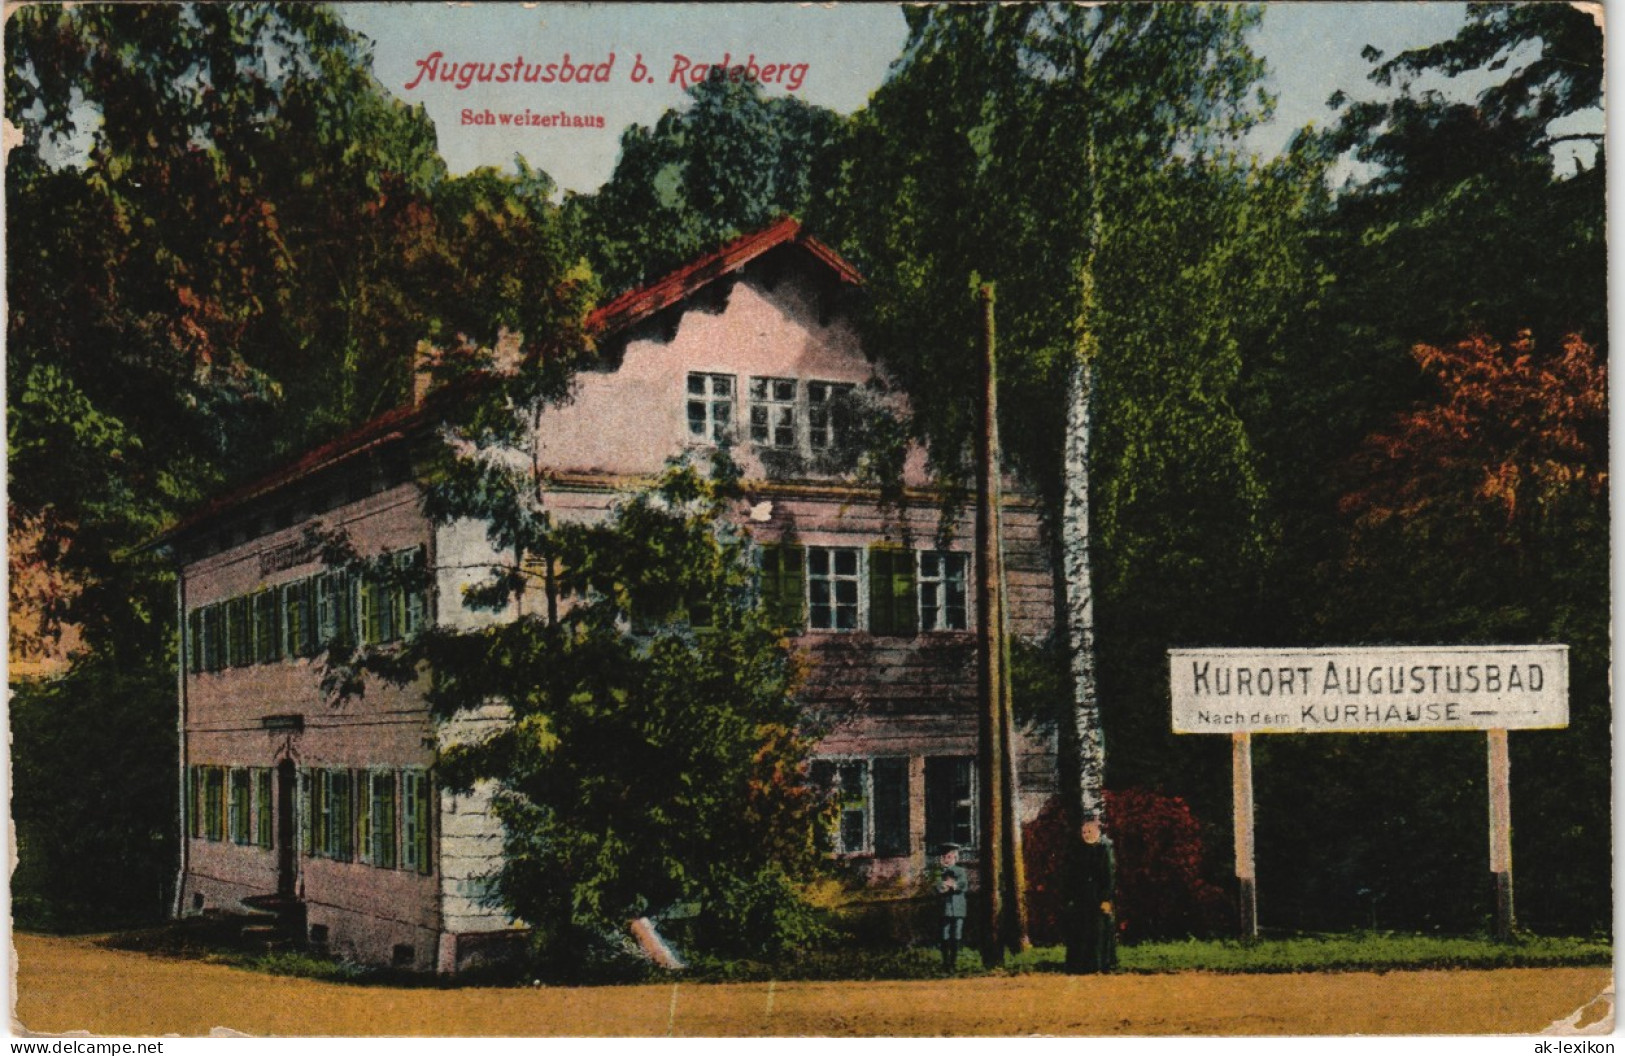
(302, 617)
(784, 584)
(217, 803)
(891, 807)
(262, 805)
(415, 601)
(382, 795)
(194, 641)
(307, 814)
(345, 604)
(416, 818)
(214, 618)
(343, 816)
(367, 605)
(239, 651)
(892, 607)
(194, 826)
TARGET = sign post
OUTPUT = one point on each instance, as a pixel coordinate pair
(1501, 831)
(1241, 767)
(1397, 689)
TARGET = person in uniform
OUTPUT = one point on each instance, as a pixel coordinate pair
(1090, 879)
(951, 887)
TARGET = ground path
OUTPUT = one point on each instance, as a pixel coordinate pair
(72, 984)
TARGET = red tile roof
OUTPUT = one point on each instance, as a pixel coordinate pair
(624, 311)
(636, 305)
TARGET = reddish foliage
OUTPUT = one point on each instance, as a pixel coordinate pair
(1161, 892)
(1511, 430)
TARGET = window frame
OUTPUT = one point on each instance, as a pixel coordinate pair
(768, 402)
(818, 413)
(863, 808)
(417, 821)
(858, 577)
(716, 430)
(969, 804)
(942, 581)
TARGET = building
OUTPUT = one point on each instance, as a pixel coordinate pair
(333, 807)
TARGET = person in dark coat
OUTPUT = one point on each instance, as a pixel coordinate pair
(951, 886)
(1090, 880)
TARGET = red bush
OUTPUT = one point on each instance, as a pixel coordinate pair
(1161, 892)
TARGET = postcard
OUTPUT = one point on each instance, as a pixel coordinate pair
(740, 520)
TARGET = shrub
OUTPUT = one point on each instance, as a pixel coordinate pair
(1161, 889)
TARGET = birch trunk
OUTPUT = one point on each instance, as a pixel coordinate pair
(1077, 583)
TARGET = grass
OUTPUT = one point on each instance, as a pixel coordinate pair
(1357, 951)
(1349, 952)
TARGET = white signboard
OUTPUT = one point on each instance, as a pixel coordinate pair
(1385, 689)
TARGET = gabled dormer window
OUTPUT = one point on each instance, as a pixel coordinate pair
(710, 408)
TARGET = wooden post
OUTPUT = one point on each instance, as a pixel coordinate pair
(1500, 765)
(1241, 764)
(1013, 869)
(990, 728)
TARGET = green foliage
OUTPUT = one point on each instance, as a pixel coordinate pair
(94, 796)
(1455, 503)
(655, 753)
(729, 163)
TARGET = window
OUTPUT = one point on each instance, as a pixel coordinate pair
(377, 818)
(848, 781)
(872, 800)
(833, 594)
(892, 607)
(267, 626)
(710, 408)
(415, 814)
(412, 613)
(241, 790)
(212, 810)
(375, 609)
(334, 621)
(238, 627)
(331, 821)
(783, 569)
(942, 590)
(822, 428)
(889, 791)
(299, 628)
(773, 412)
(213, 620)
(950, 802)
(263, 801)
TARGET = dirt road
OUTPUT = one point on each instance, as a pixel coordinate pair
(72, 984)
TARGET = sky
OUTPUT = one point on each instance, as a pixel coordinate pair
(1312, 49)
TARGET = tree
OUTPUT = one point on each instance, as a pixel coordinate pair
(653, 752)
(1489, 501)
(225, 238)
(1390, 483)
(212, 205)
(1076, 156)
(731, 162)
(94, 797)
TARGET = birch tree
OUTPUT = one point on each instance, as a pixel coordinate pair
(1046, 147)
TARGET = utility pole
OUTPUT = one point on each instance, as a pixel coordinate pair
(990, 754)
(1013, 869)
